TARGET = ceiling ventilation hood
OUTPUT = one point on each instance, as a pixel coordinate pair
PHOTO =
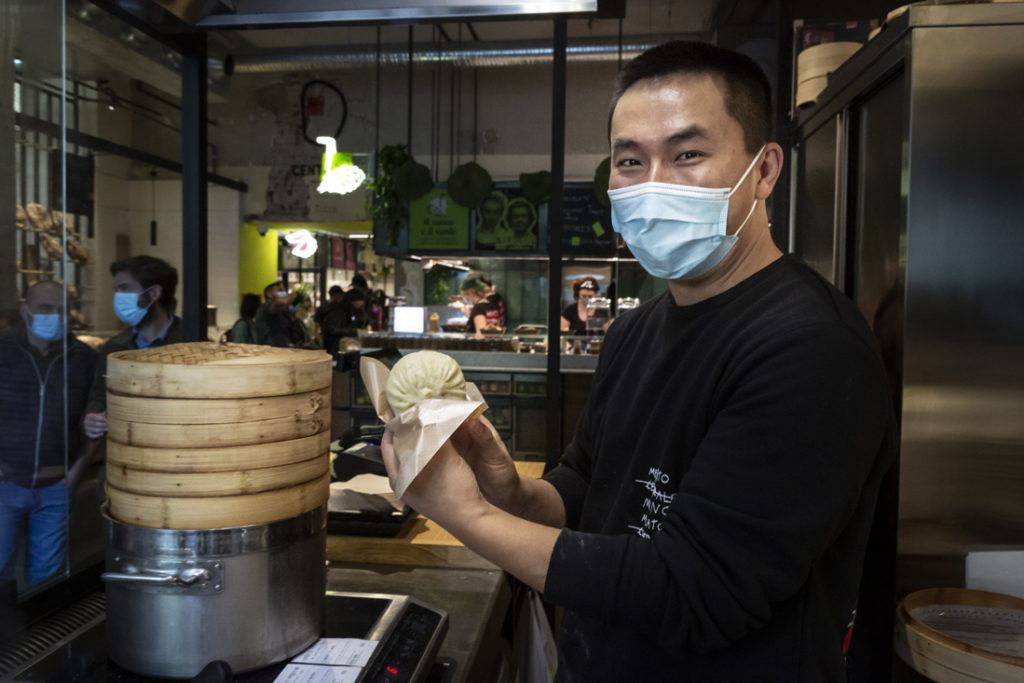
(250, 13)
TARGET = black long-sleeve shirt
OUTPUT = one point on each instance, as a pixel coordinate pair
(720, 488)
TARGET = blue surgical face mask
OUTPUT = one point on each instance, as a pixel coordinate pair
(126, 307)
(677, 231)
(47, 326)
(281, 295)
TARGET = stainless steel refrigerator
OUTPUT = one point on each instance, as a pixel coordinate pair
(907, 192)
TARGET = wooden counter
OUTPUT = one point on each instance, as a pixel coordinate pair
(420, 543)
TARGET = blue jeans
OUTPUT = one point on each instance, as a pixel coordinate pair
(46, 511)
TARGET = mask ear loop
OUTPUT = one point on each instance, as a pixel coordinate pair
(749, 214)
(749, 169)
(138, 299)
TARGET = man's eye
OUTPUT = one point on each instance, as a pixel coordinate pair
(688, 155)
(627, 162)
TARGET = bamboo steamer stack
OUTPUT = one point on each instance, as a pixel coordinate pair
(206, 435)
(814, 64)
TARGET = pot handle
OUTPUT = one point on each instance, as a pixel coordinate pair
(184, 577)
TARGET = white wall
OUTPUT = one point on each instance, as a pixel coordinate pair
(125, 206)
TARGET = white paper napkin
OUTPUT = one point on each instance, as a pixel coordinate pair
(421, 430)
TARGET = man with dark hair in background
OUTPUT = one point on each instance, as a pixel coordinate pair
(274, 316)
(43, 390)
(709, 520)
(144, 289)
(330, 319)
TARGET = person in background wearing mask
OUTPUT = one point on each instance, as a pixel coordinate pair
(709, 520)
(144, 288)
(275, 314)
(574, 317)
(474, 294)
(41, 409)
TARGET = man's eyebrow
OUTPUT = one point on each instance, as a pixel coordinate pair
(689, 133)
(685, 135)
(623, 145)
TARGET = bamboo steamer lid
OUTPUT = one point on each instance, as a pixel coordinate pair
(807, 92)
(204, 484)
(993, 622)
(217, 512)
(212, 370)
(822, 59)
(196, 411)
(222, 459)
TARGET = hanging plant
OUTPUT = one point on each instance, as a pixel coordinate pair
(469, 185)
(601, 175)
(536, 187)
(399, 178)
(412, 180)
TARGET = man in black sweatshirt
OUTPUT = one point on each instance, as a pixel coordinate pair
(709, 520)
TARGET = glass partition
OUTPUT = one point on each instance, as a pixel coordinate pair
(89, 174)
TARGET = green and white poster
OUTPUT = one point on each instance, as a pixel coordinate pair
(437, 222)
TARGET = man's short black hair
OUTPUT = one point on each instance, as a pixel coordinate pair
(335, 289)
(359, 281)
(266, 290)
(149, 271)
(747, 93)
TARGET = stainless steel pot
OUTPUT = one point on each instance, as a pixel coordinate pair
(178, 599)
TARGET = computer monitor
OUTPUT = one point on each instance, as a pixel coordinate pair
(408, 319)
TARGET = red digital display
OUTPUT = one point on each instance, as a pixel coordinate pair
(392, 670)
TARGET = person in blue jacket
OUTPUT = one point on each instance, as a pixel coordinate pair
(45, 375)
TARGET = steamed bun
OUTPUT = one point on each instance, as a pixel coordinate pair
(422, 375)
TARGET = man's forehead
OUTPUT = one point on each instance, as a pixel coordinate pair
(697, 97)
(125, 278)
(48, 295)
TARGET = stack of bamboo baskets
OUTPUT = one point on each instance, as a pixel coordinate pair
(814, 64)
(206, 435)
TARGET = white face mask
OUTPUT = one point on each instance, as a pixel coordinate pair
(677, 231)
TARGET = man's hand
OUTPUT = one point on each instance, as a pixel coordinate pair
(479, 444)
(95, 424)
(445, 490)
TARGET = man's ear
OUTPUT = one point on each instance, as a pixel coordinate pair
(153, 295)
(769, 170)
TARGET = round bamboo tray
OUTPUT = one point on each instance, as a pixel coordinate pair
(217, 512)
(223, 459)
(222, 434)
(193, 411)
(822, 59)
(204, 484)
(212, 370)
(807, 91)
(992, 622)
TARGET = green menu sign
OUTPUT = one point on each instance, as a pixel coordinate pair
(436, 222)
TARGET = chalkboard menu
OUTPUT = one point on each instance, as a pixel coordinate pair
(587, 227)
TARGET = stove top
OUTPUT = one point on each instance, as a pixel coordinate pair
(409, 632)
